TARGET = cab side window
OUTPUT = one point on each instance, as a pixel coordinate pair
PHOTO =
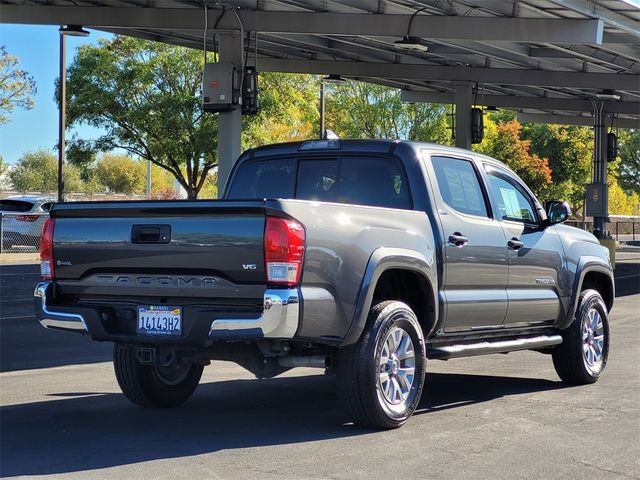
(512, 201)
(459, 185)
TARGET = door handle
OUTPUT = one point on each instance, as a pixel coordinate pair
(457, 239)
(515, 243)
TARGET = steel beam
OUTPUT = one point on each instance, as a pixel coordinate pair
(592, 9)
(538, 103)
(572, 120)
(499, 76)
(547, 30)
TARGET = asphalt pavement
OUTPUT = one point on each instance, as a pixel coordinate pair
(493, 417)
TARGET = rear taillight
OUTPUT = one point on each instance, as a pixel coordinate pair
(46, 250)
(283, 251)
(27, 218)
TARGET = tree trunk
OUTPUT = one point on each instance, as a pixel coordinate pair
(192, 193)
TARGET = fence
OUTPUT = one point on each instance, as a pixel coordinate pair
(20, 232)
(621, 228)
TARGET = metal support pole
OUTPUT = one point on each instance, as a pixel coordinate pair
(62, 105)
(148, 179)
(464, 101)
(229, 123)
(600, 167)
(321, 109)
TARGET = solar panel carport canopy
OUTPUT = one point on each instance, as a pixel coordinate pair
(552, 56)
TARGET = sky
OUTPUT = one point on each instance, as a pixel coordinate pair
(38, 50)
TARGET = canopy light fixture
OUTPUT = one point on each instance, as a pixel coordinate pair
(415, 44)
(607, 94)
(73, 31)
(333, 78)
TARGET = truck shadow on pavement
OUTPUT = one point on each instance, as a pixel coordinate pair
(79, 431)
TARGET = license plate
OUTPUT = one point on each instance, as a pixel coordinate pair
(160, 320)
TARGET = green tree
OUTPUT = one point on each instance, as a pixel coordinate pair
(502, 141)
(82, 154)
(365, 110)
(619, 202)
(569, 150)
(502, 116)
(146, 95)
(288, 110)
(121, 174)
(17, 87)
(629, 167)
(38, 171)
(3, 166)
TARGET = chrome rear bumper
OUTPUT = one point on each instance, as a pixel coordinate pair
(279, 319)
(49, 318)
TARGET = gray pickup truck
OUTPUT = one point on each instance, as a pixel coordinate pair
(361, 257)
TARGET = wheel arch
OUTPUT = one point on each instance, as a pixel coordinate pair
(591, 272)
(389, 275)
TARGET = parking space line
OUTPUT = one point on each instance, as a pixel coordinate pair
(28, 274)
(16, 317)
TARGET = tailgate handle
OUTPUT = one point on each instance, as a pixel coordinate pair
(150, 233)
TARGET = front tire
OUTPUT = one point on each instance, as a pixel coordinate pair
(380, 378)
(152, 386)
(584, 351)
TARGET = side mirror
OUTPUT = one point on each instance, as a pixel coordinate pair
(557, 212)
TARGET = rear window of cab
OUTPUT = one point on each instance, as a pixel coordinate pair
(372, 181)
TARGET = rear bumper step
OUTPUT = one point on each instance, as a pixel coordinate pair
(498, 346)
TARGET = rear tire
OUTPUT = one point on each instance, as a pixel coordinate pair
(583, 353)
(380, 378)
(151, 386)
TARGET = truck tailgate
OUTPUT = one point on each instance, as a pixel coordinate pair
(176, 247)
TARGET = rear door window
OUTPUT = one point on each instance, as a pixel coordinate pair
(15, 206)
(459, 185)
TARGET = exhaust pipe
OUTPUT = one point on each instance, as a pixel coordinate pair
(309, 361)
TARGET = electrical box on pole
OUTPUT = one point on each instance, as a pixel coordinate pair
(612, 147)
(477, 125)
(595, 201)
(250, 105)
(220, 87)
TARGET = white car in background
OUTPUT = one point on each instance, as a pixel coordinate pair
(22, 219)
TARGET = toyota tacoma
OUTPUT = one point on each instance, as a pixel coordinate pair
(362, 257)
